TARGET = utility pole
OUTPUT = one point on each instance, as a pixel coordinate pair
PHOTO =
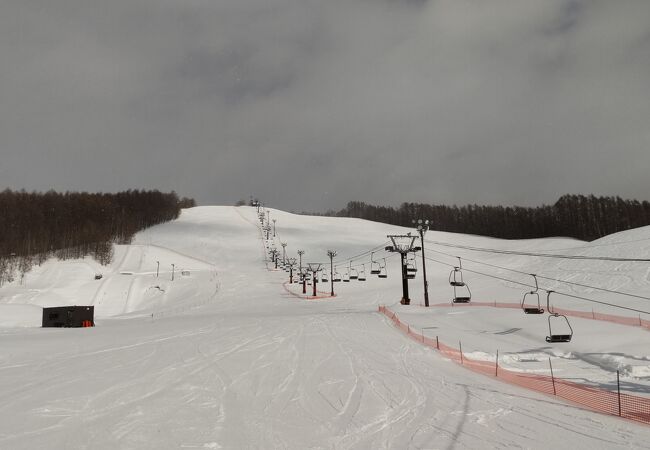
(284, 253)
(292, 264)
(314, 268)
(274, 227)
(422, 227)
(331, 254)
(403, 244)
(300, 253)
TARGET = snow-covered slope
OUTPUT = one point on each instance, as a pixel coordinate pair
(224, 357)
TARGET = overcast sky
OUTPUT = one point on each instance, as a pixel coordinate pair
(311, 103)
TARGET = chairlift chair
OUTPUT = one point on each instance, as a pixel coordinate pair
(462, 298)
(532, 295)
(383, 273)
(362, 274)
(411, 265)
(324, 277)
(336, 276)
(375, 268)
(552, 338)
(346, 277)
(354, 274)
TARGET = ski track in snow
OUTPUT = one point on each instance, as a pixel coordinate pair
(255, 368)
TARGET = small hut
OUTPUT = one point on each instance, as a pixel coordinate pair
(69, 316)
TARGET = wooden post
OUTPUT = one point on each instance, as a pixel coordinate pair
(552, 377)
(460, 346)
(437, 343)
(496, 365)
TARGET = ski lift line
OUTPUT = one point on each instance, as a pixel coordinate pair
(367, 252)
(346, 262)
(532, 286)
(541, 255)
(610, 291)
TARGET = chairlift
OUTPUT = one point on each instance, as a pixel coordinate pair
(552, 338)
(346, 277)
(336, 276)
(383, 273)
(411, 265)
(362, 274)
(324, 277)
(532, 295)
(464, 288)
(354, 274)
(375, 268)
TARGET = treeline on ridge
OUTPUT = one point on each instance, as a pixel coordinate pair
(577, 216)
(36, 225)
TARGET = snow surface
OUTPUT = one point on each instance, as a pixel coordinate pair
(224, 357)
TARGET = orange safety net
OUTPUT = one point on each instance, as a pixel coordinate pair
(614, 403)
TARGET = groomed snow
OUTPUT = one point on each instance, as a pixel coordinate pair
(224, 357)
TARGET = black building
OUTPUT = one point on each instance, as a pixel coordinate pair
(69, 316)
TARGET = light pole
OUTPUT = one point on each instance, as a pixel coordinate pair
(274, 227)
(173, 266)
(157, 268)
(331, 254)
(422, 227)
(284, 252)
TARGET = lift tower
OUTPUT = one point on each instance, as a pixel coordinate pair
(403, 244)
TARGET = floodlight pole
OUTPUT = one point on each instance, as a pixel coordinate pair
(274, 227)
(284, 253)
(422, 227)
(157, 268)
(303, 274)
(173, 265)
(331, 254)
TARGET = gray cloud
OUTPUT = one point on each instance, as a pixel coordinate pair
(311, 103)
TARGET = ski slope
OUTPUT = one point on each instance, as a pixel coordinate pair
(225, 357)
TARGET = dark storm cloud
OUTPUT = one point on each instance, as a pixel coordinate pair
(311, 103)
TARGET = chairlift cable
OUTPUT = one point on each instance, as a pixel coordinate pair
(532, 286)
(610, 291)
(541, 255)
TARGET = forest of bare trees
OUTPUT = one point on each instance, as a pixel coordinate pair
(36, 226)
(578, 216)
